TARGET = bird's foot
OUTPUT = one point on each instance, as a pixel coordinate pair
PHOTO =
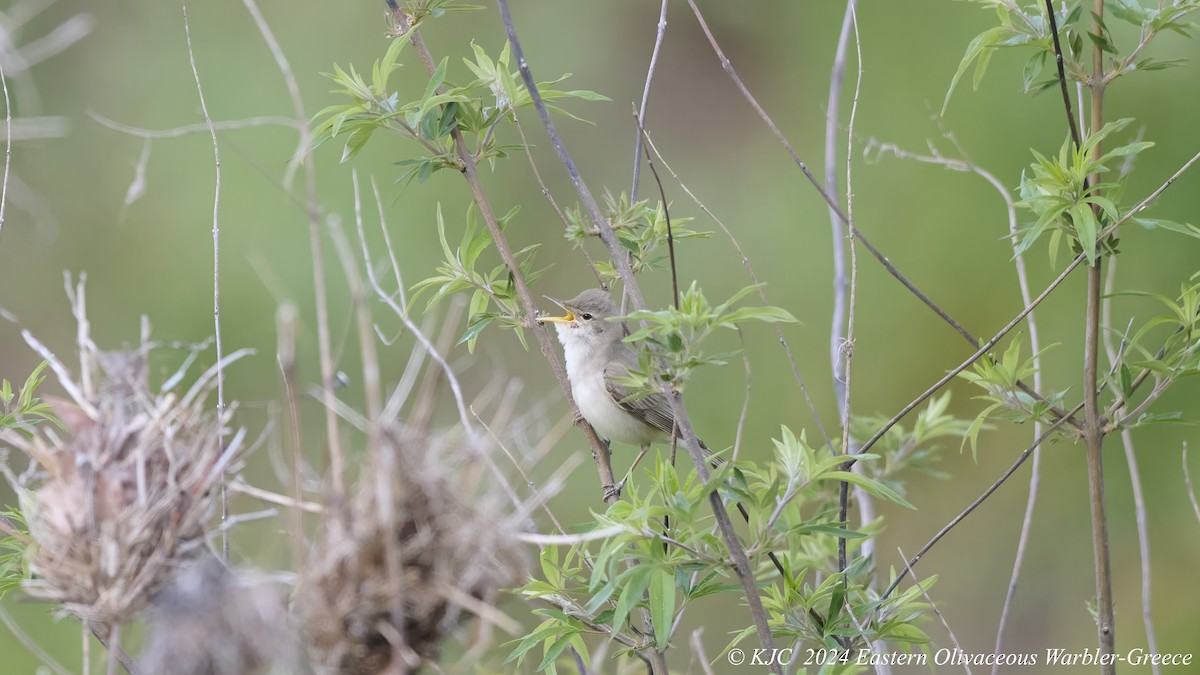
(613, 492)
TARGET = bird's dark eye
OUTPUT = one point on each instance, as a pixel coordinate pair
(585, 316)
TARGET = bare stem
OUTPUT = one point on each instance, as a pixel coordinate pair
(8, 142)
(1139, 501)
(641, 113)
(216, 237)
(1093, 417)
(846, 349)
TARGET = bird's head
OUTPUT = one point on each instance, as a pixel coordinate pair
(588, 322)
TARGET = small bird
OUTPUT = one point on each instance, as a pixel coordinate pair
(597, 356)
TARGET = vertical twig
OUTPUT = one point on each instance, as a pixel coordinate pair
(1187, 483)
(8, 143)
(662, 196)
(698, 649)
(1093, 418)
(937, 612)
(1062, 76)
(832, 108)
(846, 350)
(1035, 347)
(641, 114)
(537, 175)
(837, 332)
(1135, 479)
(216, 237)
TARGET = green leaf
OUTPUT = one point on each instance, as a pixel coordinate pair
(1170, 226)
(1085, 230)
(1033, 69)
(983, 44)
(905, 632)
(767, 314)
(636, 581)
(662, 605)
(384, 67)
(870, 485)
(474, 329)
(357, 140)
(435, 81)
(554, 650)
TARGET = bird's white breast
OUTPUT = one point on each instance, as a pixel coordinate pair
(597, 406)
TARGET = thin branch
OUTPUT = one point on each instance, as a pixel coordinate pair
(8, 139)
(358, 293)
(1187, 482)
(846, 350)
(832, 108)
(1139, 501)
(1093, 416)
(741, 423)
(641, 112)
(1062, 76)
(662, 195)
(285, 357)
(188, 129)
(274, 498)
(1035, 347)
(937, 612)
(535, 493)
(116, 653)
(216, 237)
(698, 648)
(967, 166)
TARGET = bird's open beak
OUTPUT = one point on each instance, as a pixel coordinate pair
(570, 316)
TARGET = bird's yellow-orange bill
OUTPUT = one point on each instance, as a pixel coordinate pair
(558, 319)
(570, 316)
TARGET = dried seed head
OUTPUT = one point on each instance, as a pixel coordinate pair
(390, 579)
(119, 503)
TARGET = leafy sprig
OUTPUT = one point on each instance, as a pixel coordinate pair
(677, 334)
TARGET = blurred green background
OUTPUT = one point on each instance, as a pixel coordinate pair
(944, 230)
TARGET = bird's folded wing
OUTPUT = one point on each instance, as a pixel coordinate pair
(654, 410)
